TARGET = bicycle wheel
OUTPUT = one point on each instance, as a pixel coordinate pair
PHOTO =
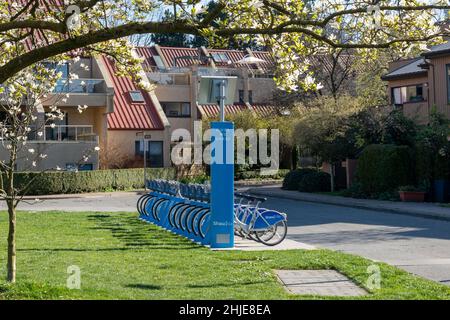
(273, 235)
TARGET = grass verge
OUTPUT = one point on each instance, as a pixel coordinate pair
(121, 257)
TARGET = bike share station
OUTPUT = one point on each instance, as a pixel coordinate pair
(212, 214)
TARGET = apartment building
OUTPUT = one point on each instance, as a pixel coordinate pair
(124, 120)
(182, 95)
(419, 84)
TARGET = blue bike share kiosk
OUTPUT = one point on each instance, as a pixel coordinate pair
(208, 214)
(222, 178)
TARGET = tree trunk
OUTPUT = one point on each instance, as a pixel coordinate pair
(11, 263)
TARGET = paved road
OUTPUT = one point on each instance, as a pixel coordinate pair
(418, 245)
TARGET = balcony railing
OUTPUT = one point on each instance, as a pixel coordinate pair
(169, 78)
(68, 133)
(80, 86)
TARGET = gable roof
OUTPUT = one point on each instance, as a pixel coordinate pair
(128, 115)
(185, 57)
(181, 57)
(411, 69)
(212, 110)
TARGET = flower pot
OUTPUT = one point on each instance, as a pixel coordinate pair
(412, 196)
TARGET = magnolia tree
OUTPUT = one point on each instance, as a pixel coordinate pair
(22, 125)
(32, 31)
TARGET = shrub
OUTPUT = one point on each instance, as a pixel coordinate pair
(255, 174)
(384, 168)
(292, 179)
(88, 181)
(195, 179)
(315, 182)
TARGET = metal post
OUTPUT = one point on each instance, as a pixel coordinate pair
(222, 99)
(145, 161)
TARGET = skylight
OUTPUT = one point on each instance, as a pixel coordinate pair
(136, 96)
(220, 57)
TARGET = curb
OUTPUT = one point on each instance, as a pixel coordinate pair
(79, 195)
(349, 204)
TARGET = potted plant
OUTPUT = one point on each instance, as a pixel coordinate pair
(411, 194)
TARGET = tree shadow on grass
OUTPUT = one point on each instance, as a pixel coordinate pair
(134, 233)
(143, 286)
(224, 285)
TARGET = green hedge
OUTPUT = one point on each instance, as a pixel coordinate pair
(315, 182)
(292, 179)
(88, 181)
(255, 174)
(383, 168)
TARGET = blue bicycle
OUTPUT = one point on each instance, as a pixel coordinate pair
(266, 226)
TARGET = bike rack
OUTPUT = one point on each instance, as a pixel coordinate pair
(183, 209)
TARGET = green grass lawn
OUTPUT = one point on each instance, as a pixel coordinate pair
(121, 257)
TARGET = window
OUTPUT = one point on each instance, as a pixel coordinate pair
(59, 132)
(241, 96)
(448, 83)
(401, 95)
(220, 57)
(136, 97)
(250, 96)
(177, 109)
(154, 152)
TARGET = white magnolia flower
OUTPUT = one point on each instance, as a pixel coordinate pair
(97, 148)
(34, 163)
(31, 150)
(40, 133)
(52, 125)
(58, 168)
(43, 156)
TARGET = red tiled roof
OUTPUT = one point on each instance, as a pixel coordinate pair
(128, 115)
(147, 53)
(184, 57)
(213, 110)
(181, 57)
(264, 110)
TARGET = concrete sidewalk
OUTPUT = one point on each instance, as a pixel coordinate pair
(425, 210)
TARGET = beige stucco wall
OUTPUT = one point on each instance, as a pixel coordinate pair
(262, 89)
(173, 93)
(121, 143)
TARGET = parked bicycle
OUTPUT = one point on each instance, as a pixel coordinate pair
(266, 226)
